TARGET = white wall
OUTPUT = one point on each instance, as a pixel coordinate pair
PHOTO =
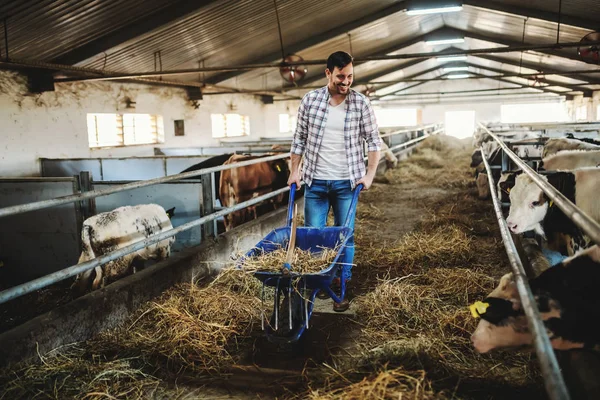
(53, 124)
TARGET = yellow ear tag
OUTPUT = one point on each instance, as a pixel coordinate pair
(278, 168)
(478, 308)
(551, 203)
(507, 190)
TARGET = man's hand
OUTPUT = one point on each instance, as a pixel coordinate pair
(366, 180)
(294, 178)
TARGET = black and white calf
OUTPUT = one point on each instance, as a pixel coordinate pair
(109, 231)
(566, 296)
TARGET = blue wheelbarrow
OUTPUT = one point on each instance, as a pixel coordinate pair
(292, 311)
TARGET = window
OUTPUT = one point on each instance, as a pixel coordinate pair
(540, 112)
(230, 125)
(581, 113)
(287, 123)
(110, 130)
(396, 117)
(460, 124)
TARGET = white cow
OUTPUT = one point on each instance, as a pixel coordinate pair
(530, 208)
(572, 159)
(553, 146)
(390, 158)
(109, 231)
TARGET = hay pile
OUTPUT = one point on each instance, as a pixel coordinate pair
(74, 373)
(188, 330)
(303, 261)
(385, 385)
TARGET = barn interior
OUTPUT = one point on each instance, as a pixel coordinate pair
(105, 104)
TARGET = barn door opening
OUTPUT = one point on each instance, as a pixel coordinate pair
(460, 124)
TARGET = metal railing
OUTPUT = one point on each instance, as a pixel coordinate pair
(73, 270)
(417, 128)
(38, 205)
(582, 220)
(553, 379)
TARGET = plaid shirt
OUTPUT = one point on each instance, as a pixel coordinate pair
(360, 124)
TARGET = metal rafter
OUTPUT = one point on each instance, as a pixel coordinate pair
(137, 28)
(316, 39)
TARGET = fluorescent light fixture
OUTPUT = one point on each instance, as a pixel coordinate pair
(445, 41)
(434, 10)
(458, 76)
(451, 58)
(454, 69)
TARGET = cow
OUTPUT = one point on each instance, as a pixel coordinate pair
(553, 146)
(209, 163)
(112, 230)
(566, 296)
(390, 158)
(244, 183)
(530, 208)
(505, 184)
(572, 159)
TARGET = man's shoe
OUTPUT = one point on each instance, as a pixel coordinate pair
(342, 306)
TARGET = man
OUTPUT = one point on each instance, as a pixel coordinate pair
(333, 121)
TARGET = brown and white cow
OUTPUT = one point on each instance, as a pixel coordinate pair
(572, 159)
(390, 158)
(554, 146)
(109, 231)
(244, 183)
(566, 296)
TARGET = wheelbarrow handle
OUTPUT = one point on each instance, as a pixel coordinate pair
(352, 209)
(290, 214)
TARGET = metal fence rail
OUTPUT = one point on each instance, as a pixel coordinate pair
(71, 271)
(418, 128)
(553, 379)
(582, 220)
(38, 205)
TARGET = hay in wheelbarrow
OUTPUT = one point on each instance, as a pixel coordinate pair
(303, 261)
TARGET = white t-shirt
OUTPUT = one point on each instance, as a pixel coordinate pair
(332, 162)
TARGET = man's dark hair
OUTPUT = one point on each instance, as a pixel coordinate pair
(338, 59)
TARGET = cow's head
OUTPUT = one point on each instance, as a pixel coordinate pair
(476, 158)
(528, 206)
(505, 185)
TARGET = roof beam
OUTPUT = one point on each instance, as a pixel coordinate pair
(500, 71)
(316, 39)
(533, 13)
(543, 69)
(511, 43)
(137, 28)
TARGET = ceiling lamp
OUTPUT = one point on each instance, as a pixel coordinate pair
(451, 58)
(458, 76)
(455, 69)
(445, 41)
(432, 7)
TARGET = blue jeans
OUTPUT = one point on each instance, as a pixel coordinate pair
(318, 198)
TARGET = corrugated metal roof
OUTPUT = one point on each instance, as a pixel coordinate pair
(234, 32)
(44, 29)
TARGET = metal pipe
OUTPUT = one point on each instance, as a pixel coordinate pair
(553, 380)
(582, 220)
(408, 130)
(105, 75)
(425, 135)
(68, 272)
(38, 205)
